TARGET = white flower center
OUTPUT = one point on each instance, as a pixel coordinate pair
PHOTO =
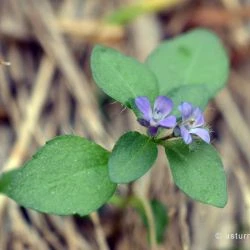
(157, 115)
(189, 123)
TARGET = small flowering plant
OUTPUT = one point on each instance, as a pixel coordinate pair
(192, 118)
(168, 94)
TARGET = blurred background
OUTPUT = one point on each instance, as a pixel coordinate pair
(48, 90)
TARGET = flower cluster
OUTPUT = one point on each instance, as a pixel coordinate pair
(192, 119)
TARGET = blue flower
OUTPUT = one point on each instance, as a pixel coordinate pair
(192, 123)
(157, 117)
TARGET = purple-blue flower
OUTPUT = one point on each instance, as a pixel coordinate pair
(157, 117)
(192, 123)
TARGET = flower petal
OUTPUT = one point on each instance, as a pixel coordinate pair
(143, 104)
(168, 122)
(198, 117)
(163, 105)
(186, 110)
(143, 122)
(202, 133)
(152, 131)
(185, 135)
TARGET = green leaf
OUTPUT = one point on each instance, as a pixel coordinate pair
(161, 219)
(132, 156)
(124, 15)
(198, 172)
(121, 77)
(196, 57)
(69, 175)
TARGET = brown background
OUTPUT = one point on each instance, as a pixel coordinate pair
(48, 90)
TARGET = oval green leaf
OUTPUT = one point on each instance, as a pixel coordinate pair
(121, 77)
(198, 172)
(133, 155)
(69, 175)
(196, 57)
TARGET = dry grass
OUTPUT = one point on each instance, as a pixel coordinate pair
(48, 90)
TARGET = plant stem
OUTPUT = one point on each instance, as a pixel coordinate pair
(151, 222)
